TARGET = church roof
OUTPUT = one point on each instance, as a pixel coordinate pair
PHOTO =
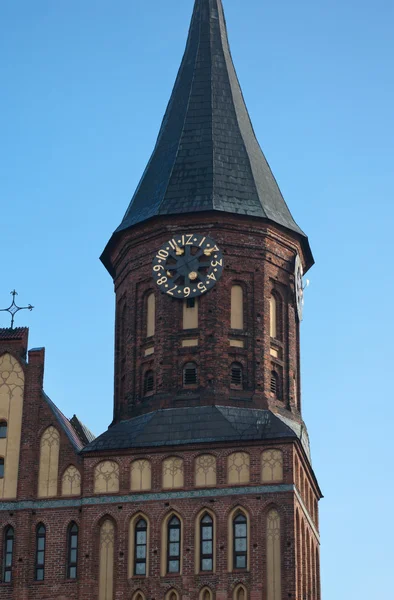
(201, 424)
(207, 157)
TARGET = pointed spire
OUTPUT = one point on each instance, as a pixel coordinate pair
(207, 157)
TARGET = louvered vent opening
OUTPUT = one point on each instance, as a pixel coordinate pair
(236, 375)
(190, 375)
(274, 384)
(149, 383)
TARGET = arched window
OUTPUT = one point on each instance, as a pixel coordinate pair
(49, 463)
(8, 554)
(240, 541)
(172, 595)
(240, 593)
(236, 376)
(205, 470)
(272, 466)
(71, 482)
(106, 477)
(274, 574)
(40, 552)
(275, 385)
(206, 543)
(237, 307)
(238, 468)
(140, 547)
(72, 558)
(107, 554)
(173, 473)
(149, 383)
(150, 315)
(206, 594)
(138, 596)
(174, 545)
(190, 374)
(1, 468)
(3, 429)
(140, 475)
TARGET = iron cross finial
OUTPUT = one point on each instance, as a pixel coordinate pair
(13, 308)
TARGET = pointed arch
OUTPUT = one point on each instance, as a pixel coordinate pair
(298, 555)
(106, 560)
(140, 475)
(139, 543)
(172, 532)
(274, 569)
(238, 528)
(173, 473)
(12, 387)
(172, 594)
(138, 595)
(206, 594)
(49, 463)
(275, 315)
(72, 550)
(205, 532)
(40, 552)
(71, 482)
(8, 554)
(240, 592)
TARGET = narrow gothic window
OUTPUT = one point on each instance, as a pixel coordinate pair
(8, 554)
(149, 383)
(1, 468)
(72, 560)
(40, 552)
(174, 546)
(205, 594)
(240, 541)
(3, 429)
(240, 593)
(273, 317)
(236, 375)
(140, 546)
(275, 385)
(189, 374)
(206, 543)
(150, 315)
(237, 307)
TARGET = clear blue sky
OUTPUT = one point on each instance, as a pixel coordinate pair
(84, 85)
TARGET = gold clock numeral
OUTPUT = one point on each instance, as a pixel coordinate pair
(189, 241)
(217, 263)
(212, 276)
(186, 291)
(172, 290)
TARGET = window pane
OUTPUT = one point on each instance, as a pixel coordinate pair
(207, 548)
(141, 537)
(74, 541)
(174, 549)
(73, 573)
(207, 533)
(9, 545)
(7, 576)
(8, 560)
(174, 535)
(40, 574)
(240, 530)
(173, 566)
(207, 564)
(240, 562)
(73, 556)
(41, 543)
(140, 568)
(141, 551)
(240, 545)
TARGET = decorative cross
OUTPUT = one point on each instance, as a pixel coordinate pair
(13, 308)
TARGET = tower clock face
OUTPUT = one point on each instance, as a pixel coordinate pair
(187, 266)
(299, 288)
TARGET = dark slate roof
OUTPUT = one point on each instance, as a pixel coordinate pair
(84, 434)
(207, 157)
(64, 424)
(202, 424)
